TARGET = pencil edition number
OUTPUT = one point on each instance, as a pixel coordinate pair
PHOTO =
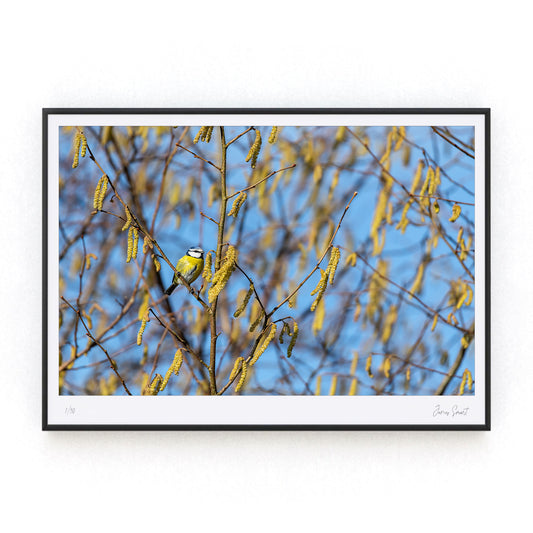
(70, 410)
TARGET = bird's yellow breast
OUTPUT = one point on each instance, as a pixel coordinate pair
(190, 267)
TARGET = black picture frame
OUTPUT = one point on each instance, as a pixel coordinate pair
(49, 425)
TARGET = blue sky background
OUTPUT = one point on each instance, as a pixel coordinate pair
(316, 358)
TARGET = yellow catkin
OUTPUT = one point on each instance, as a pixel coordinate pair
(333, 386)
(463, 253)
(470, 296)
(144, 384)
(377, 285)
(284, 329)
(96, 197)
(144, 320)
(207, 135)
(353, 387)
(435, 320)
(380, 214)
(468, 245)
(339, 135)
(227, 262)
(103, 189)
(417, 283)
(292, 301)
(387, 367)
(318, 321)
(319, 289)
(317, 173)
(88, 260)
(77, 144)
(199, 134)
(254, 149)
(399, 138)
(89, 319)
(130, 245)
(255, 323)
(174, 368)
(318, 385)
(147, 244)
(83, 145)
(236, 368)
(456, 212)
(351, 259)
(434, 181)
(355, 361)
(390, 320)
(144, 358)
(245, 301)
(129, 219)
(261, 350)
(460, 235)
(135, 244)
(153, 389)
(368, 366)
(388, 215)
(417, 177)
(465, 341)
(234, 211)
(294, 336)
(467, 378)
(106, 134)
(206, 273)
(386, 155)
(462, 298)
(157, 264)
(451, 319)
(406, 155)
(404, 221)
(425, 185)
(235, 333)
(332, 265)
(143, 308)
(174, 196)
(432, 185)
(178, 361)
(244, 373)
(273, 137)
(334, 183)
(222, 276)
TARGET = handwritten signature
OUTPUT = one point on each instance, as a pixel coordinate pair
(455, 410)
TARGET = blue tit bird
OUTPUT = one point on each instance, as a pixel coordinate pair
(189, 266)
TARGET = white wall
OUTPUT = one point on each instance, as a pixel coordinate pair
(167, 54)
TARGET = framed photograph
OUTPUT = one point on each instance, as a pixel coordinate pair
(266, 269)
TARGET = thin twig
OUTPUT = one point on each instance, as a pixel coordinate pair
(211, 219)
(261, 181)
(198, 156)
(253, 286)
(451, 142)
(240, 135)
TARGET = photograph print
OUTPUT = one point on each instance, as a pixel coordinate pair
(320, 272)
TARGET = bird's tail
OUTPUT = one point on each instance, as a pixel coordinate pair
(170, 290)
